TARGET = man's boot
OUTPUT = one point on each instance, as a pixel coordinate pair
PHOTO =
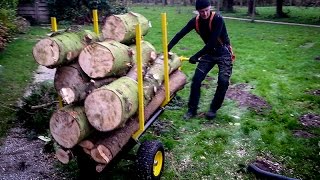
(211, 115)
(189, 114)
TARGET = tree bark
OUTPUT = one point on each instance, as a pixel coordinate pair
(108, 147)
(279, 11)
(62, 49)
(69, 126)
(155, 75)
(69, 76)
(122, 27)
(73, 94)
(104, 59)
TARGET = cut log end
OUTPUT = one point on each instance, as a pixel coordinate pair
(46, 52)
(63, 156)
(114, 29)
(96, 62)
(67, 95)
(105, 153)
(100, 167)
(64, 129)
(103, 109)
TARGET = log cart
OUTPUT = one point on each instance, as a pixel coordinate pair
(113, 91)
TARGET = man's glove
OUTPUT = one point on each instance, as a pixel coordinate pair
(193, 60)
(233, 56)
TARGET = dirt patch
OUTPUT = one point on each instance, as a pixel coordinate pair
(315, 92)
(266, 164)
(310, 120)
(302, 134)
(239, 93)
(24, 158)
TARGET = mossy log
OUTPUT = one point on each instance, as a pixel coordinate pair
(155, 75)
(69, 76)
(108, 147)
(108, 107)
(62, 49)
(69, 126)
(111, 58)
(108, 58)
(122, 27)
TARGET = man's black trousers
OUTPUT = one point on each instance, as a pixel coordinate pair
(207, 62)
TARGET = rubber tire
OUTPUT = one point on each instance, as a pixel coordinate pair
(145, 159)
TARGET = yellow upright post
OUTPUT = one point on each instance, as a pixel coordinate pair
(165, 56)
(140, 83)
(54, 27)
(95, 21)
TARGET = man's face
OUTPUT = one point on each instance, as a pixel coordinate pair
(205, 12)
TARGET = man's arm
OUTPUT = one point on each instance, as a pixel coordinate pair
(213, 42)
(185, 30)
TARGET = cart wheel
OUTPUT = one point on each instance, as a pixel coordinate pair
(150, 160)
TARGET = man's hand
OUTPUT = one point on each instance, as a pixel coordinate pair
(193, 60)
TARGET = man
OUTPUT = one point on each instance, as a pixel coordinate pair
(217, 50)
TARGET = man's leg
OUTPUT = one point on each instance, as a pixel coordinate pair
(200, 73)
(225, 71)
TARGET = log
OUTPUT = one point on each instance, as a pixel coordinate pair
(78, 93)
(108, 147)
(108, 107)
(69, 126)
(64, 156)
(155, 75)
(111, 58)
(62, 49)
(69, 76)
(122, 27)
(106, 58)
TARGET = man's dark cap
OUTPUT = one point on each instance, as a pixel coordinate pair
(201, 4)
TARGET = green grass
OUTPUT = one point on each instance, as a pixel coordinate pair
(17, 67)
(278, 61)
(303, 15)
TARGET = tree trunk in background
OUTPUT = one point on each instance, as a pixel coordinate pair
(279, 11)
(250, 7)
(227, 5)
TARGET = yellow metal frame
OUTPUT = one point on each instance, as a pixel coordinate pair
(140, 84)
(165, 56)
(157, 165)
(54, 27)
(95, 21)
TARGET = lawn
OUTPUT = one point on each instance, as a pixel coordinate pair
(277, 64)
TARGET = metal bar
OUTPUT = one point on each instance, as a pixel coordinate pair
(140, 84)
(95, 21)
(54, 27)
(165, 56)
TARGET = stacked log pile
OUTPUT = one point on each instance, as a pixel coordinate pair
(97, 79)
